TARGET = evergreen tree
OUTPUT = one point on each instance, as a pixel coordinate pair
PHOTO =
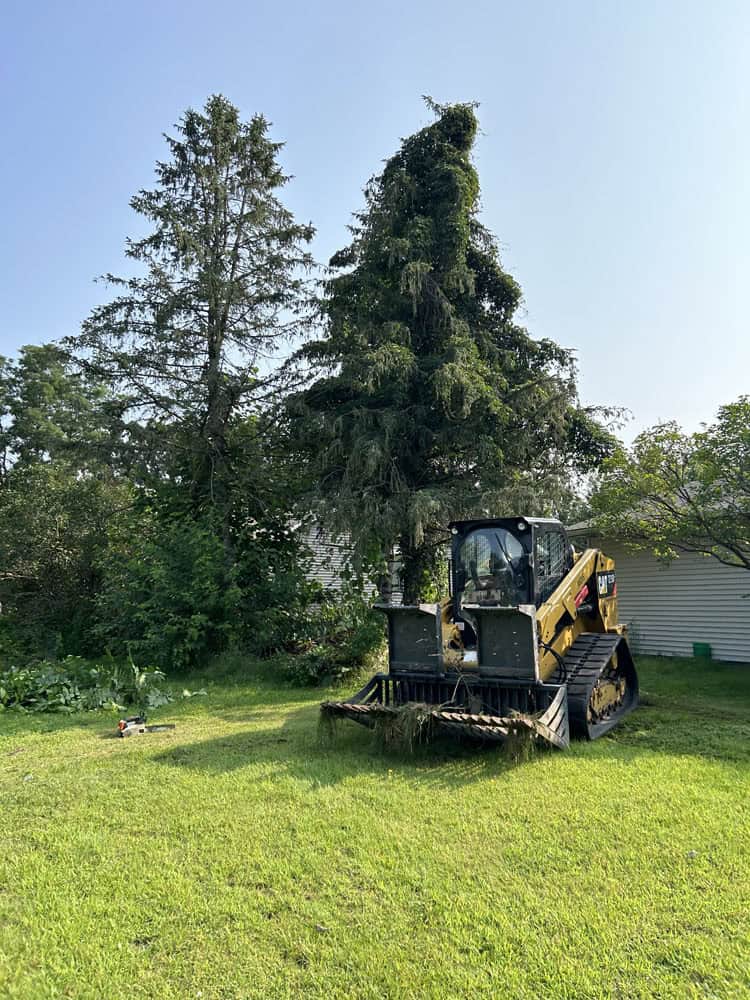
(224, 283)
(430, 400)
(187, 350)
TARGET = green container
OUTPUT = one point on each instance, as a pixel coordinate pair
(702, 649)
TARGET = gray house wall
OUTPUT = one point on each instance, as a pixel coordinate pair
(669, 607)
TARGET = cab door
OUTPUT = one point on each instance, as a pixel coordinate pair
(553, 559)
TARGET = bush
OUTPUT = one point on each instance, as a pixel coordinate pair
(347, 635)
(54, 531)
(277, 593)
(73, 685)
(176, 592)
(168, 596)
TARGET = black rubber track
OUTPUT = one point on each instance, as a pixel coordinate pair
(585, 661)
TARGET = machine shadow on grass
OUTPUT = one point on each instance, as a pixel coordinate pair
(299, 749)
(305, 751)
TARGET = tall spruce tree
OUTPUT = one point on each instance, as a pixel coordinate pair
(430, 400)
(223, 282)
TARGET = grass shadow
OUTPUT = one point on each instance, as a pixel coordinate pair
(18, 725)
(296, 746)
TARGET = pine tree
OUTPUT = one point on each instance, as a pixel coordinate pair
(222, 284)
(430, 400)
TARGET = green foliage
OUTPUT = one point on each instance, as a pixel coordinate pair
(168, 595)
(673, 492)
(267, 540)
(62, 447)
(50, 410)
(171, 596)
(276, 594)
(87, 560)
(224, 286)
(73, 685)
(159, 403)
(345, 636)
(55, 525)
(149, 471)
(431, 401)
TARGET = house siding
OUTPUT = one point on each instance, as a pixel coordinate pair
(330, 558)
(668, 607)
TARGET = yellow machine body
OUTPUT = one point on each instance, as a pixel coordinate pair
(513, 646)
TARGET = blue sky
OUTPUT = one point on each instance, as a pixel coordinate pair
(613, 157)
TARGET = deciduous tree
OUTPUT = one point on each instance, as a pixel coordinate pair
(673, 492)
(52, 411)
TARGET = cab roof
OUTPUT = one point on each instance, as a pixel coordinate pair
(483, 522)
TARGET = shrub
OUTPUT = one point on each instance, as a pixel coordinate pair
(54, 530)
(176, 591)
(277, 594)
(346, 636)
(168, 596)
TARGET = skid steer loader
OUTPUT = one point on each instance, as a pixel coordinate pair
(527, 643)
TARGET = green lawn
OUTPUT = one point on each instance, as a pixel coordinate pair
(237, 857)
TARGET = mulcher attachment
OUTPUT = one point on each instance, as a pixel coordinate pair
(501, 695)
(459, 704)
(499, 698)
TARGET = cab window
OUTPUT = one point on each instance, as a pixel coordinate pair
(492, 568)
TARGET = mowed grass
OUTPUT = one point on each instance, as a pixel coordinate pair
(238, 857)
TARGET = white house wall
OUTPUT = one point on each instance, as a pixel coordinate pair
(330, 560)
(693, 599)
(330, 557)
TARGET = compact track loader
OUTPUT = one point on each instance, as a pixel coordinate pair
(527, 643)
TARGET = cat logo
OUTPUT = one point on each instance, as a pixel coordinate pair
(606, 583)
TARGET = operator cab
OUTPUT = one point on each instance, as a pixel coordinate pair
(507, 561)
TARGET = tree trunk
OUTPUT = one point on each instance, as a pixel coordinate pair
(412, 570)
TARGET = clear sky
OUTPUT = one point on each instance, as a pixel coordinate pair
(613, 157)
